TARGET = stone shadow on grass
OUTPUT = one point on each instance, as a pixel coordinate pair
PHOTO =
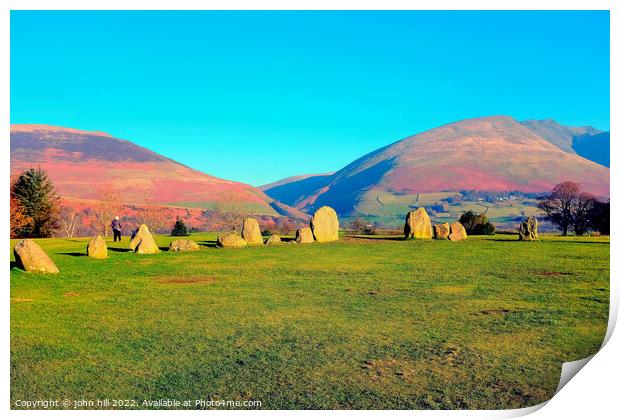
(209, 244)
(115, 249)
(72, 254)
(376, 238)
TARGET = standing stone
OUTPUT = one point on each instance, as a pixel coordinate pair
(457, 232)
(441, 231)
(143, 242)
(304, 236)
(251, 231)
(230, 240)
(31, 257)
(418, 225)
(324, 225)
(273, 240)
(97, 248)
(182, 245)
(528, 231)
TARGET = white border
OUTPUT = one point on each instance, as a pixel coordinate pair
(593, 394)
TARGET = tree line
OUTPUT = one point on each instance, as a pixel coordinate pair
(37, 211)
(572, 209)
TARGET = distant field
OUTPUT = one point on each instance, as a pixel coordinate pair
(390, 209)
(368, 322)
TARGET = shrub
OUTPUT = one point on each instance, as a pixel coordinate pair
(476, 224)
(362, 227)
(179, 229)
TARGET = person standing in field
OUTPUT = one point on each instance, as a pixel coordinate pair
(116, 228)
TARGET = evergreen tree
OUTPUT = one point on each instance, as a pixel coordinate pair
(179, 229)
(39, 201)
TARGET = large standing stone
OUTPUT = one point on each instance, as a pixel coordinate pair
(273, 240)
(97, 248)
(230, 240)
(251, 232)
(143, 242)
(528, 231)
(182, 245)
(31, 257)
(457, 232)
(304, 236)
(418, 225)
(441, 231)
(324, 225)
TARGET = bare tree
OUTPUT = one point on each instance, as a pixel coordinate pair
(357, 225)
(70, 220)
(109, 205)
(154, 216)
(232, 211)
(560, 204)
(287, 225)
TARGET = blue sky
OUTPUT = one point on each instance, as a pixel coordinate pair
(258, 96)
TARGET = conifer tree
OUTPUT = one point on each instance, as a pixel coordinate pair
(179, 229)
(39, 201)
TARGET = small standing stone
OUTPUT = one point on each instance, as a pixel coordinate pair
(251, 231)
(31, 257)
(183, 245)
(143, 242)
(230, 240)
(457, 232)
(304, 236)
(273, 240)
(97, 248)
(441, 231)
(528, 231)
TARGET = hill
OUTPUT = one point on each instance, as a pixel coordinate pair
(486, 154)
(83, 163)
(587, 141)
(291, 179)
(594, 147)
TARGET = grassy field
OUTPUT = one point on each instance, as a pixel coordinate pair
(362, 323)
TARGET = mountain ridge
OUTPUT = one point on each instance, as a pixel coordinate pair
(490, 153)
(585, 141)
(81, 163)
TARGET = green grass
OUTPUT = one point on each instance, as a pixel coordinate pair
(362, 323)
